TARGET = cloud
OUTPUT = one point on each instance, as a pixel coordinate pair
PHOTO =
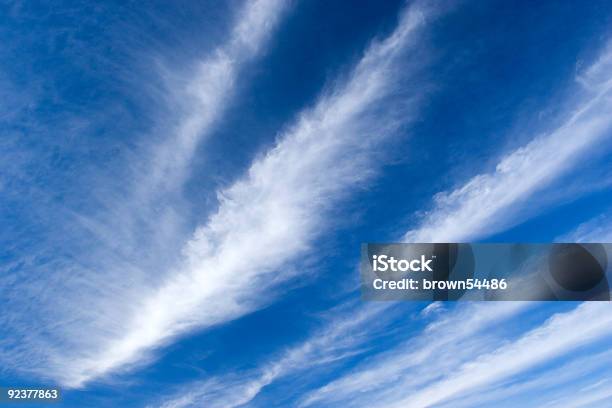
(328, 345)
(207, 95)
(598, 394)
(345, 334)
(543, 388)
(481, 207)
(598, 229)
(459, 215)
(561, 334)
(491, 201)
(225, 392)
(598, 72)
(432, 309)
(92, 265)
(441, 345)
(148, 211)
(473, 212)
(471, 364)
(236, 259)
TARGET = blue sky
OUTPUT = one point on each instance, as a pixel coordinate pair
(185, 187)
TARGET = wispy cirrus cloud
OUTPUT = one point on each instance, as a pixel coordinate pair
(148, 211)
(491, 201)
(207, 95)
(264, 220)
(482, 206)
(467, 213)
(328, 345)
(562, 333)
(597, 394)
(76, 319)
(443, 366)
(548, 387)
(347, 334)
(440, 346)
(597, 229)
(108, 252)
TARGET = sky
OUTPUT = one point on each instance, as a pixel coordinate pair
(184, 188)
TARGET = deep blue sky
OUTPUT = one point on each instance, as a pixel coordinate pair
(131, 162)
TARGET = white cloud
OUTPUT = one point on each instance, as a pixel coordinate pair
(598, 229)
(347, 333)
(89, 275)
(350, 332)
(149, 211)
(208, 94)
(561, 334)
(597, 395)
(327, 346)
(597, 73)
(441, 345)
(264, 220)
(485, 205)
(225, 392)
(550, 387)
(432, 309)
(468, 213)
(470, 353)
(491, 201)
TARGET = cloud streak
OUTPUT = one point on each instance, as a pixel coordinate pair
(108, 255)
(468, 213)
(329, 345)
(208, 94)
(490, 201)
(440, 346)
(266, 219)
(482, 206)
(349, 334)
(598, 229)
(546, 388)
(562, 333)
(151, 206)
